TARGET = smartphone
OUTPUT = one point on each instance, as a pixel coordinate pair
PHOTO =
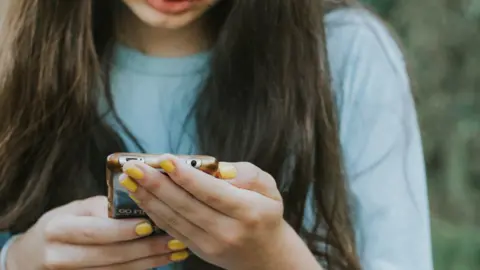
(120, 205)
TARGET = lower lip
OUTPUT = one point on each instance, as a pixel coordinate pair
(171, 6)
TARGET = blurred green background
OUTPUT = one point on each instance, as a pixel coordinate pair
(441, 40)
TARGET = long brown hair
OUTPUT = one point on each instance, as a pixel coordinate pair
(269, 76)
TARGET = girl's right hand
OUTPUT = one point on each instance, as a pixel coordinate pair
(80, 236)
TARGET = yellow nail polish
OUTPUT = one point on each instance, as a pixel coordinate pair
(179, 256)
(168, 166)
(129, 184)
(144, 229)
(176, 245)
(134, 199)
(134, 172)
(227, 170)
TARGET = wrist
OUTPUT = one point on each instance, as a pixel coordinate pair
(289, 252)
(278, 248)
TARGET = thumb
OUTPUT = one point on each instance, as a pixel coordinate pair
(247, 176)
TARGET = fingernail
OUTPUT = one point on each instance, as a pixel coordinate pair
(144, 229)
(176, 245)
(227, 170)
(168, 166)
(129, 184)
(179, 256)
(134, 199)
(134, 172)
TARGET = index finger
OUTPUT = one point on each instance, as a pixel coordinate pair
(89, 230)
(252, 178)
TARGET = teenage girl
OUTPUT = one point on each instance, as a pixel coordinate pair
(307, 102)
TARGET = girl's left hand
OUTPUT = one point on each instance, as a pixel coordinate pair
(234, 224)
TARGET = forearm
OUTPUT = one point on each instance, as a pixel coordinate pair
(291, 253)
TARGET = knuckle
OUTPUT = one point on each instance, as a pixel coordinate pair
(213, 250)
(78, 203)
(252, 219)
(182, 180)
(211, 199)
(259, 176)
(153, 262)
(231, 239)
(45, 218)
(51, 229)
(182, 208)
(156, 246)
(89, 203)
(53, 260)
(186, 203)
(95, 199)
(265, 181)
(278, 210)
(146, 204)
(207, 222)
(154, 185)
(157, 261)
(83, 204)
(87, 234)
(172, 221)
(162, 225)
(267, 177)
(249, 167)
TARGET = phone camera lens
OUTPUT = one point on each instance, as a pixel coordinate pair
(193, 163)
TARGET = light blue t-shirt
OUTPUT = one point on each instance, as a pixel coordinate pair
(378, 131)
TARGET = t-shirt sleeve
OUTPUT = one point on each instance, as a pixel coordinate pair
(381, 146)
(4, 236)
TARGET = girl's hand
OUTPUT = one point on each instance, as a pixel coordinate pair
(234, 224)
(81, 236)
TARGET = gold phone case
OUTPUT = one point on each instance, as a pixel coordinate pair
(120, 205)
